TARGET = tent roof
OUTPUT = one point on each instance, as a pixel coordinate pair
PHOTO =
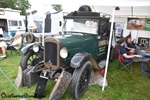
(141, 8)
(142, 11)
(102, 2)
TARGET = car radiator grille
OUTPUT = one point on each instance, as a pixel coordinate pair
(51, 53)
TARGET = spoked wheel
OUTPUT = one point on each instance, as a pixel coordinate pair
(80, 80)
(29, 59)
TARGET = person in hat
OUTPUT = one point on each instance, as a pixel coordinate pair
(134, 57)
(132, 47)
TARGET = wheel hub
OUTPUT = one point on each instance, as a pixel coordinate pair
(34, 61)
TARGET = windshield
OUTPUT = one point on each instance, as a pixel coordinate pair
(81, 25)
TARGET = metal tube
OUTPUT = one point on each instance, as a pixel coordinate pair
(109, 46)
(43, 25)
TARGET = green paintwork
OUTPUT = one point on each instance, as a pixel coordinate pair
(82, 43)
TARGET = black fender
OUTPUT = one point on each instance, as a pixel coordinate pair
(25, 49)
(79, 58)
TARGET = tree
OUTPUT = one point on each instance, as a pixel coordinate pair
(57, 7)
(22, 5)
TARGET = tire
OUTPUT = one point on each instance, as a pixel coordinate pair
(80, 80)
(85, 8)
(30, 38)
(26, 37)
(27, 57)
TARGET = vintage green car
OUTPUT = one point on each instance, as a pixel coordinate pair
(70, 57)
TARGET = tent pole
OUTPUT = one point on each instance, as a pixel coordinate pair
(137, 36)
(132, 11)
(109, 46)
(93, 8)
(43, 30)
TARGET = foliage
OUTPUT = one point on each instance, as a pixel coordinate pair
(22, 5)
(122, 85)
(57, 7)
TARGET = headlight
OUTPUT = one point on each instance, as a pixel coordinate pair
(35, 48)
(64, 53)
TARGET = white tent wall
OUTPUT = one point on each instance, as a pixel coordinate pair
(55, 22)
(134, 33)
(122, 15)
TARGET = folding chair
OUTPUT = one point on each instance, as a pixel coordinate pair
(17, 51)
(122, 64)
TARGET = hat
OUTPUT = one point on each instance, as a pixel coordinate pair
(128, 36)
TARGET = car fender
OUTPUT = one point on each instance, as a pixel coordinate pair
(26, 48)
(79, 58)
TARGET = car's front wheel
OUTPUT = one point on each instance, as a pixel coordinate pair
(29, 59)
(80, 80)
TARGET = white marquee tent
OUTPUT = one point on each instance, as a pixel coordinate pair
(128, 8)
(125, 12)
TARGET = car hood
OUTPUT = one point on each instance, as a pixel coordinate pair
(71, 40)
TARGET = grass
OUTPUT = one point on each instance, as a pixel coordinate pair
(121, 84)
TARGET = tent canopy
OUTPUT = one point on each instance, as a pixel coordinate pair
(128, 8)
(142, 11)
(141, 8)
(102, 2)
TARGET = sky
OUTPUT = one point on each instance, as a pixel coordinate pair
(40, 4)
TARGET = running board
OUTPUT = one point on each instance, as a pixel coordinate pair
(39, 92)
(61, 86)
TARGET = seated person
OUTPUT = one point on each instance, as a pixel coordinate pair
(132, 47)
(1, 32)
(133, 57)
(4, 46)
